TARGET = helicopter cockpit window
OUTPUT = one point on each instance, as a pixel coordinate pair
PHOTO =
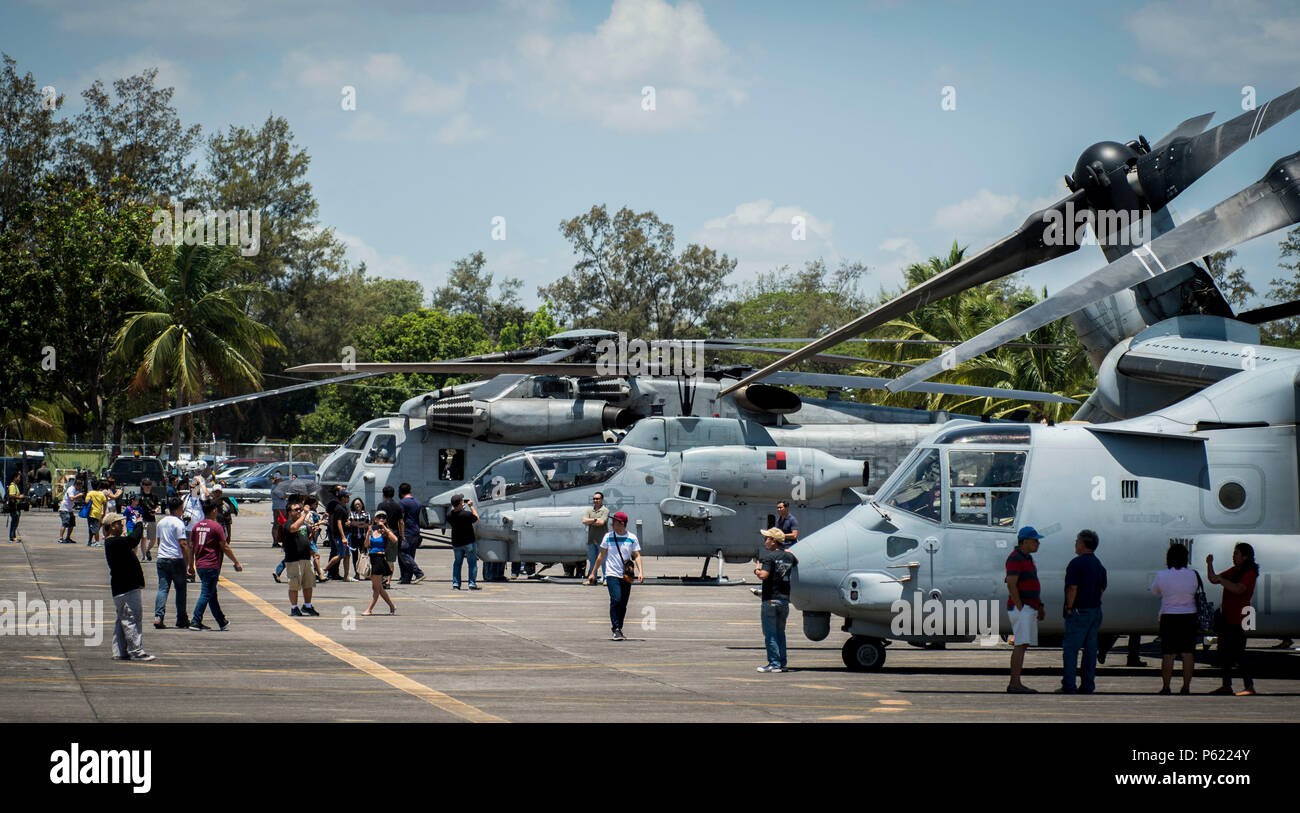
(919, 491)
(646, 434)
(984, 487)
(358, 441)
(340, 468)
(564, 470)
(552, 386)
(505, 478)
(383, 452)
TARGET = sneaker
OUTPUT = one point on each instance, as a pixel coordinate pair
(619, 636)
(1021, 690)
(223, 627)
(295, 611)
(418, 579)
(777, 669)
(455, 587)
(158, 624)
(183, 625)
(766, 668)
(148, 557)
(1064, 690)
(1249, 691)
(309, 610)
(145, 657)
(474, 586)
(199, 625)
(1222, 690)
(121, 657)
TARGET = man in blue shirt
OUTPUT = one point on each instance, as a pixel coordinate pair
(1085, 581)
(787, 523)
(411, 572)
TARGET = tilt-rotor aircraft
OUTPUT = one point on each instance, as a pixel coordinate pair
(1192, 442)
(566, 391)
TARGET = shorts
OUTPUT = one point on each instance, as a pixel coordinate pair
(151, 530)
(301, 575)
(67, 519)
(379, 565)
(1177, 633)
(94, 525)
(1024, 625)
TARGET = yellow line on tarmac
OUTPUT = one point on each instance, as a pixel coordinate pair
(397, 680)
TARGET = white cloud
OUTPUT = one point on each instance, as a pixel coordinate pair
(644, 43)
(366, 127)
(461, 130)
(1229, 41)
(984, 213)
(899, 253)
(376, 77)
(1148, 75)
(392, 266)
(170, 74)
(762, 236)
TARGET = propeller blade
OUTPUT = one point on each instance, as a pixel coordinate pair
(239, 399)
(848, 361)
(451, 368)
(1028, 345)
(857, 382)
(1187, 129)
(1023, 248)
(1171, 168)
(1270, 313)
(1268, 205)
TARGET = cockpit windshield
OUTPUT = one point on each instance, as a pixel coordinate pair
(573, 469)
(919, 490)
(358, 440)
(505, 478)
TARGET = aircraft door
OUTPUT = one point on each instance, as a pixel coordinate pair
(551, 534)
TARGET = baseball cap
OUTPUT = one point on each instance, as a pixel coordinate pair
(775, 534)
(620, 517)
(1028, 532)
(109, 519)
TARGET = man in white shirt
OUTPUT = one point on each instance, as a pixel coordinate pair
(68, 512)
(620, 553)
(174, 563)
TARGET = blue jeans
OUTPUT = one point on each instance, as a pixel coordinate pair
(1081, 628)
(406, 561)
(775, 612)
(593, 551)
(619, 593)
(459, 554)
(208, 595)
(13, 525)
(171, 572)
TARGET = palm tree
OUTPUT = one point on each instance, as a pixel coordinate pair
(966, 315)
(193, 329)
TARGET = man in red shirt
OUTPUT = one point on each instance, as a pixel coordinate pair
(1024, 603)
(210, 545)
(1238, 586)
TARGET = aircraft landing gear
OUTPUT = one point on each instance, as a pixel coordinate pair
(863, 654)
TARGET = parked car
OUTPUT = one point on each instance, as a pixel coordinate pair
(256, 483)
(129, 471)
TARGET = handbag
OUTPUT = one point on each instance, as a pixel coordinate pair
(84, 513)
(1204, 608)
(363, 566)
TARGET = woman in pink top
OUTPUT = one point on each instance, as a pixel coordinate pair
(1177, 590)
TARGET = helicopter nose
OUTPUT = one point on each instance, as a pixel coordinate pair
(823, 562)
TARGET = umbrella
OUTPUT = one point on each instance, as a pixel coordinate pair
(300, 485)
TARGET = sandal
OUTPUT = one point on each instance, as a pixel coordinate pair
(367, 612)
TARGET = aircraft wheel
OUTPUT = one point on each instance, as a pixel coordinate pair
(862, 654)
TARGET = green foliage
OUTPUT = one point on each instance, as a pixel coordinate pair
(469, 290)
(541, 326)
(1232, 284)
(1286, 332)
(29, 135)
(628, 277)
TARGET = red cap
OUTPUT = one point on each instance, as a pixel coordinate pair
(620, 517)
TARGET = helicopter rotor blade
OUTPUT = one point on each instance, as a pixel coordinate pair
(239, 399)
(1023, 345)
(867, 383)
(1268, 205)
(1189, 128)
(452, 368)
(848, 361)
(1025, 247)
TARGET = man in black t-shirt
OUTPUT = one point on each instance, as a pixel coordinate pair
(296, 540)
(337, 532)
(126, 580)
(774, 566)
(149, 504)
(463, 542)
(393, 509)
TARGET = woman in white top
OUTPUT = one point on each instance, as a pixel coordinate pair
(1177, 590)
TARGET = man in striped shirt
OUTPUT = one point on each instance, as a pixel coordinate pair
(1024, 604)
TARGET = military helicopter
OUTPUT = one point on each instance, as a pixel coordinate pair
(560, 392)
(1194, 443)
(693, 486)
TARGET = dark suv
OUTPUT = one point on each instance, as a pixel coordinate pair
(127, 472)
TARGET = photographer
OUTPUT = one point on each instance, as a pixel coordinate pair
(463, 542)
(379, 539)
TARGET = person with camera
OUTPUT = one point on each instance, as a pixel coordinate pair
(295, 538)
(620, 553)
(378, 540)
(464, 544)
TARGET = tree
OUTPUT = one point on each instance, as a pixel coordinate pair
(29, 136)
(1232, 284)
(468, 290)
(540, 327)
(139, 137)
(628, 278)
(1286, 332)
(193, 328)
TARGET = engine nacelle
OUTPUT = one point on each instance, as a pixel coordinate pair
(769, 472)
(766, 399)
(528, 421)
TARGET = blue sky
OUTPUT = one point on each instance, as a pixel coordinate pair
(764, 111)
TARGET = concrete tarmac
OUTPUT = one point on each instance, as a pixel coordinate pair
(526, 651)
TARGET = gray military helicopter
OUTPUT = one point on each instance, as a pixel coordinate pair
(1194, 443)
(693, 486)
(559, 392)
